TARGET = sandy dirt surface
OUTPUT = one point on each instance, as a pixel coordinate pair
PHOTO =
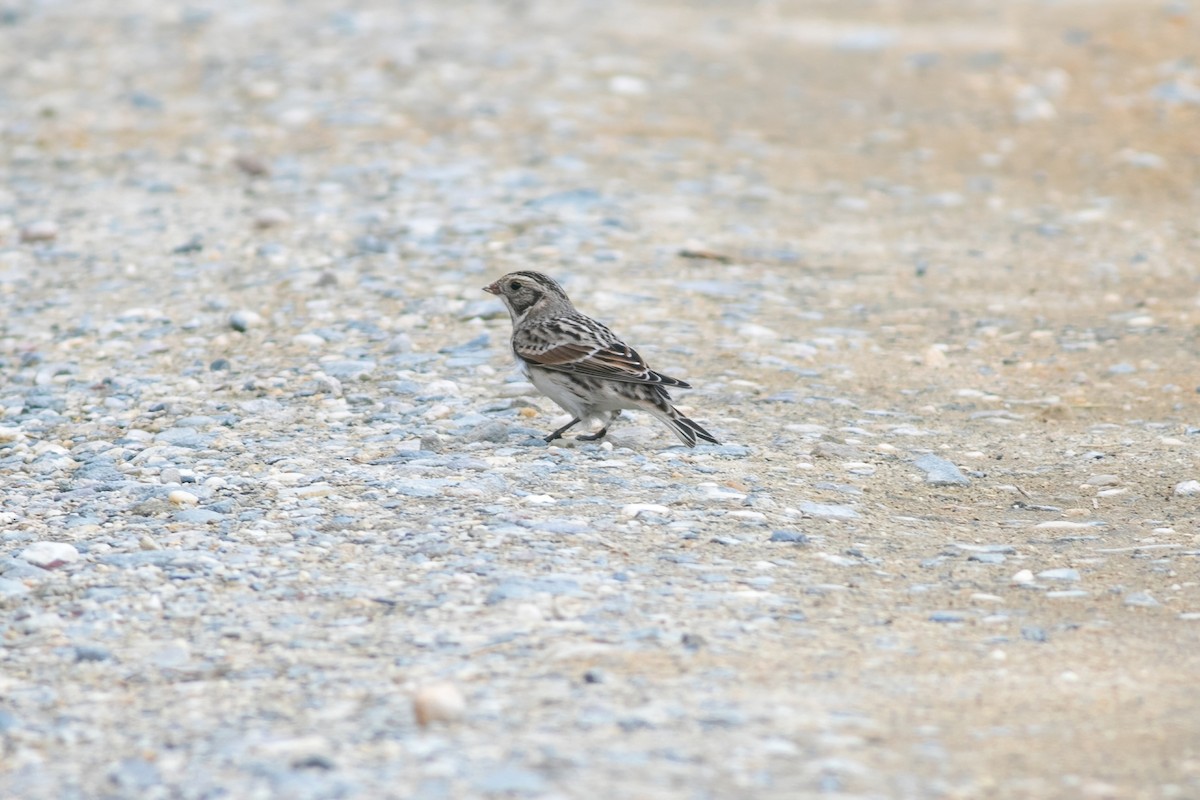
(241, 247)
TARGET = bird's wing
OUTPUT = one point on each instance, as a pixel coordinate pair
(584, 346)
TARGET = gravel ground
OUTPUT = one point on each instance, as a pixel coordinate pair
(276, 517)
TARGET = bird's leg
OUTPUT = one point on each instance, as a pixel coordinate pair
(558, 433)
(593, 437)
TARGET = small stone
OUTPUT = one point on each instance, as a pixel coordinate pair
(935, 357)
(308, 340)
(244, 320)
(493, 431)
(251, 165)
(181, 498)
(940, 472)
(271, 218)
(1103, 480)
(634, 509)
(1141, 600)
(1002, 549)
(836, 450)
(794, 537)
(1187, 488)
(1062, 574)
(193, 245)
(438, 702)
(49, 555)
(91, 652)
(629, 85)
(828, 510)
(1024, 576)
(947, 616)
(987, 558)
(43, 230)
(1032, 633)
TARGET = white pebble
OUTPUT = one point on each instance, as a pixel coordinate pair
(633, 509)
(181, 498)
(1060, 574)
(439, 411)
(753, 331)
(271, 218)
(628, 85)
(244, 320)
(442, 387)
(1187, 488)
(1024, 576)
(438, 702)
(1102, 480)
(43, 230)
(49, 555)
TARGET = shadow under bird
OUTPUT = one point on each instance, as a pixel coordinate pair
(580, 364)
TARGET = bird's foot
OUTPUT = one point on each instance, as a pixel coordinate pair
(592, 437)
(558, 433)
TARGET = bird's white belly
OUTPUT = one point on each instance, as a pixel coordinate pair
(560, 388)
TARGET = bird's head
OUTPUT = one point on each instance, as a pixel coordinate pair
(525, 292)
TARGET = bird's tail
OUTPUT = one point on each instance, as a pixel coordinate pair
(686, 429)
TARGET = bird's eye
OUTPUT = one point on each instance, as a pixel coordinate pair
(515, 285)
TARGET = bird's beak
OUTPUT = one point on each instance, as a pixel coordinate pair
(493, 288)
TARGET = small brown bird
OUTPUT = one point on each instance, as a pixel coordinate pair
(580, 364)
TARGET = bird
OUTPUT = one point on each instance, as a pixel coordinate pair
(580, 364)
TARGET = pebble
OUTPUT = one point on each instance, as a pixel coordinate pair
(271, 217)
(494, 431)
(828, 510)
(1103, 480)
(251, 165)
(243, 320)
(1141, 600)
(438, 702)
(1187, 488)
(182, 498)
(1001, 549)
(1059, 574)
(1033, 633)
(43, 230)
(49, 555)
(636, 509)
(1023, 576)
(940, 472)
(793, 537)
